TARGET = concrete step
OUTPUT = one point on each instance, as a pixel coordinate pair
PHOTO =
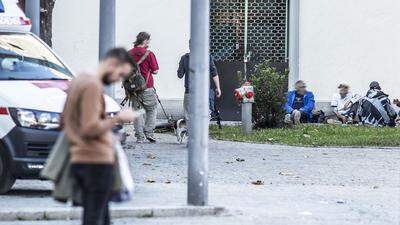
(74, 213)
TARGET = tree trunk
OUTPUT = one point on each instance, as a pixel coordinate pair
(46, 20)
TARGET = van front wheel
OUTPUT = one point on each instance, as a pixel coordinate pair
(6, 178)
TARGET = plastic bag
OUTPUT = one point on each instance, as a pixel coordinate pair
(123, 184)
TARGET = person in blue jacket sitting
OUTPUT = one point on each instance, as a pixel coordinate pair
(299, 104)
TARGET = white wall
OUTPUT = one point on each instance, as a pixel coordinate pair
(168, 22)
(75, 33)
(355, 41)
(76, 27)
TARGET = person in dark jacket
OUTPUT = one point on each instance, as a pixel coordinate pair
(215, 89)
(299, 104)
(375, 108)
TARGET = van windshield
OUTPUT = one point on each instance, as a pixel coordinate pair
(23, 57)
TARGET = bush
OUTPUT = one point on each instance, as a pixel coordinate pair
(270, 89)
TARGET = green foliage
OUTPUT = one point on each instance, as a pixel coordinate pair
(270, 88)
(315, 135)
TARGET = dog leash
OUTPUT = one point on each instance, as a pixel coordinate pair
(170, 118)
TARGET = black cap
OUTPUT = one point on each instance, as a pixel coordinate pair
(374, 85)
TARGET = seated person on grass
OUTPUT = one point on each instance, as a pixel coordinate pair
(341, 104)
(396, 102)
(376, 108)
(299, 104)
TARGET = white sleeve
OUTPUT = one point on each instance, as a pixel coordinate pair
(334, 102)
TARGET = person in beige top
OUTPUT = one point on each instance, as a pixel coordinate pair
(88, 128)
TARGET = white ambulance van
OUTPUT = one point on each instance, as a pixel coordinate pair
(33, 84)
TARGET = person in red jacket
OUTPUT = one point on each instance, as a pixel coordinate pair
(147, 99)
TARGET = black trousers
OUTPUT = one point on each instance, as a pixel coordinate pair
(96, 182)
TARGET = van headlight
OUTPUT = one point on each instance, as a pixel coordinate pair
(35, 119)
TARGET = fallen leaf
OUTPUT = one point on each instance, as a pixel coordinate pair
(258, 182)
(168, 182)
(340, 201)
(240, 160)
(151, 156)
(285, 173)
(150, 181)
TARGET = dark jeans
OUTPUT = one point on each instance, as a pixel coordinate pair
(96, 182)
(212, 100)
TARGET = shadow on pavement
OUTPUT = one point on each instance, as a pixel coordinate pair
(29, 193)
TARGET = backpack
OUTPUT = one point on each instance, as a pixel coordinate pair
(318, 117)
(135, 83)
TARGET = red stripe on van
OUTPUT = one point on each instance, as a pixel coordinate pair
(60, 84)
(3, 111)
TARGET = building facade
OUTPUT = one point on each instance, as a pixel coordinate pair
(76, 24)
(352, 41)
(76, 30)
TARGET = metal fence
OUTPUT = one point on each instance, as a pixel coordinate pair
(267, 30)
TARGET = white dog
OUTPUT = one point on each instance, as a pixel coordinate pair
(181, 130)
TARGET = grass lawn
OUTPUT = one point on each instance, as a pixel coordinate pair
(313, 135)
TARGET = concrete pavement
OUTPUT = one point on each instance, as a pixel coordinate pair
(35, 203)
(300, 185)
(270, 204)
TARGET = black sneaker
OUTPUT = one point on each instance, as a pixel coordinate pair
(151, 139)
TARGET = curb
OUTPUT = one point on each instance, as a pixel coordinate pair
(120, 212)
